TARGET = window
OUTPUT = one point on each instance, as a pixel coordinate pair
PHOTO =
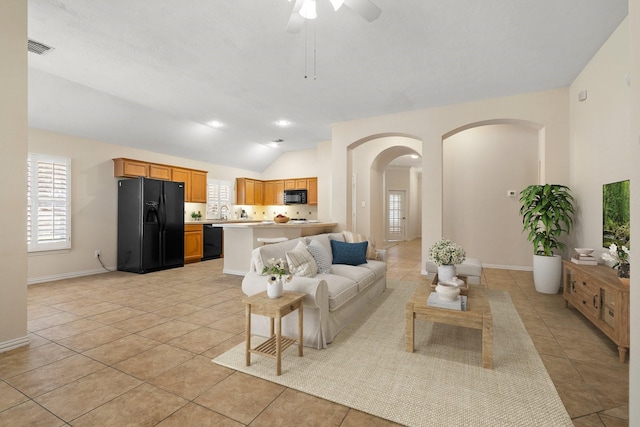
(218, 199)
(48, 202)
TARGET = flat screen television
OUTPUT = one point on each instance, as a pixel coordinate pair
(616, 214)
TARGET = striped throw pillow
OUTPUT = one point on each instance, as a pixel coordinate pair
(300, 261)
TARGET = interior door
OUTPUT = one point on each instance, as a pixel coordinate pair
(396, 215)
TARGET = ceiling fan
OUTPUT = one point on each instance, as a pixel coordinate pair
(306, 9)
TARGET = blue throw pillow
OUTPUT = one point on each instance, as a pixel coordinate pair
(349, 253)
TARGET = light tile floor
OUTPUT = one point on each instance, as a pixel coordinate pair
(121, 348)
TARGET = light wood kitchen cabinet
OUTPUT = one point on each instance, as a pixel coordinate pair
(255, 192)
(198, 186)
(273, 193)
(602, 298)
(269, 193)
(183, 175)
(258, 191)
(127, 168)
(195, 181)
(159, 172)
(192, 243)
(279, 193)
(245, 191)
(312, 191)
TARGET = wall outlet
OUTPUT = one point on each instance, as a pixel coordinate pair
(97, 253)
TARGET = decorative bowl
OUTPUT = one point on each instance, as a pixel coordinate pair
(584, 251)
(447, 292)
(454, 282)
(281, 219)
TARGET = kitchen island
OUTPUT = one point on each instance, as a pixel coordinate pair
(240, 238)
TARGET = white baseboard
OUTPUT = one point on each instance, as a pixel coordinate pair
(508, 267)
(15, 343)
(496, 266)
(54, 277)
(235, 272)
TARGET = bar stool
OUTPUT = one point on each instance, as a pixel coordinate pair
(270, 240)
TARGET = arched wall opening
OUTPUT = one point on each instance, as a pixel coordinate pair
(485, 166)
(367, 160)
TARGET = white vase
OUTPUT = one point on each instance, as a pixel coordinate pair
(275, 288)
(446, 272)
(547, 273)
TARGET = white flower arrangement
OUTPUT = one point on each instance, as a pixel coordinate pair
(617, 255)
(276, 269)
(445, 252)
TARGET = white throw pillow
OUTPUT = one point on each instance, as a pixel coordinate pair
(320, 256)
(300, 261)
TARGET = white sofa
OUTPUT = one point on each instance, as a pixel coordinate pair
(333, 299)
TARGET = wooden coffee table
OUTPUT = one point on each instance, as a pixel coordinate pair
(275, 309)
(477, 316)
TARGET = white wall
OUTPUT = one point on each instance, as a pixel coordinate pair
(604, 148)
(548, 109)
(94, 201)
(293, 164)
(480, 165)
(600, 138)
(13, 174)
(634, 70)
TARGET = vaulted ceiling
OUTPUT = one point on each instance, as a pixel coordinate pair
(153, 73)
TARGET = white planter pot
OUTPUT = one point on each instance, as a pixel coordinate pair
(275, 289)
(547, 273)
(446, 273)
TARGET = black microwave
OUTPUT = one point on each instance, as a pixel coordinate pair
(295, 197)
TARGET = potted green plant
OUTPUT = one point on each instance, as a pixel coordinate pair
(547, 212)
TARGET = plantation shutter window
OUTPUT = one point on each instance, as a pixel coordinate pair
(218, 199)
(48, 202)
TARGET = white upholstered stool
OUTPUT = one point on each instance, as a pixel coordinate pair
(471, 267)
(269, 240)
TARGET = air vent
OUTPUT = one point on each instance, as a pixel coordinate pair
(37, 47)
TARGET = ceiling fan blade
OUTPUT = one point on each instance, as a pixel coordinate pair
(364, 8)
(296, 21)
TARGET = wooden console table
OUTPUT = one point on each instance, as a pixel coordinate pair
(274, 308)
(597, 293)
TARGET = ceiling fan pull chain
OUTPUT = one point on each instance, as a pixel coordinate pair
(315, 52)
(305, 48)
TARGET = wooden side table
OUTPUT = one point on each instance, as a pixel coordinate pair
(275, 309)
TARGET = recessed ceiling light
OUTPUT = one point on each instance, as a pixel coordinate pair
(414, 156)
(283, 122)
(215, 124)
(275, 143)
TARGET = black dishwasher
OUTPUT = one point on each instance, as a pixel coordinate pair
(211, 242)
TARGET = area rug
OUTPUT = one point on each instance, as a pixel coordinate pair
(441, 383)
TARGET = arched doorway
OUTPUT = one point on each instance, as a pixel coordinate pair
(367, 193)
(485, 166)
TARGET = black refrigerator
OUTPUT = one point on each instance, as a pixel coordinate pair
(150, 225)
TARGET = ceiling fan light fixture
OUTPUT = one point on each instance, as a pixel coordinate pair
(337, 4)
(308, 9)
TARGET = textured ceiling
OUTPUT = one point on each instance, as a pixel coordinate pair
(151, 73)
